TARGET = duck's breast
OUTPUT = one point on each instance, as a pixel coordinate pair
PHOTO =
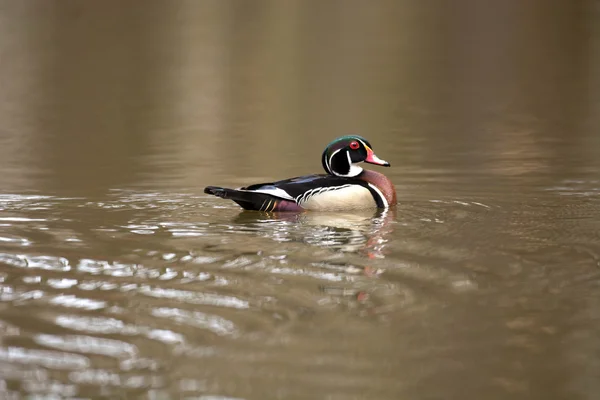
(382, 183)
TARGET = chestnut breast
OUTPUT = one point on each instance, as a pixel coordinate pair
(382, 183)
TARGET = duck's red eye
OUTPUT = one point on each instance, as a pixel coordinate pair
(354, 145)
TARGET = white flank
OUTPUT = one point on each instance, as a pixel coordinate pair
(383, 199)
(346, 197)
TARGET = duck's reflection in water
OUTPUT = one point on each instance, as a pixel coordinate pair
(353, 244)
(360, 231)
(362, 236)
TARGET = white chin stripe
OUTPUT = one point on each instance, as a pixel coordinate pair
(383, 199)
(355, 170)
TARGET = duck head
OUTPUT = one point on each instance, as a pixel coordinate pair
(343, 156)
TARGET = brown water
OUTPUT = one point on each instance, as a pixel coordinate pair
(121, 279)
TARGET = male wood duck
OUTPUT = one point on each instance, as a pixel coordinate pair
(346, 186)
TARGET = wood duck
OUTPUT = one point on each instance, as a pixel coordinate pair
(346, 186)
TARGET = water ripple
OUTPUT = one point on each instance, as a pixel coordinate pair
(195, 297)
(42, 262)
(102, 325)
(213, 323)
(77, 302)
(87, 344)
(21, 219)
(44, 358)
(96, 267)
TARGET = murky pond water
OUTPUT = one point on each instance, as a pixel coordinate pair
(121, 279)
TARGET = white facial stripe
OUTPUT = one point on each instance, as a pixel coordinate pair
(329, 161)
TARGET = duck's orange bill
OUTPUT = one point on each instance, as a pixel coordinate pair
(373, 159)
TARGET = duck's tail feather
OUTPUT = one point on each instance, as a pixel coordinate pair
(224, 193)
(249, 200)
(245, 199)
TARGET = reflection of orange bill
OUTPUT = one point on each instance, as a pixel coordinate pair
(362, 296)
